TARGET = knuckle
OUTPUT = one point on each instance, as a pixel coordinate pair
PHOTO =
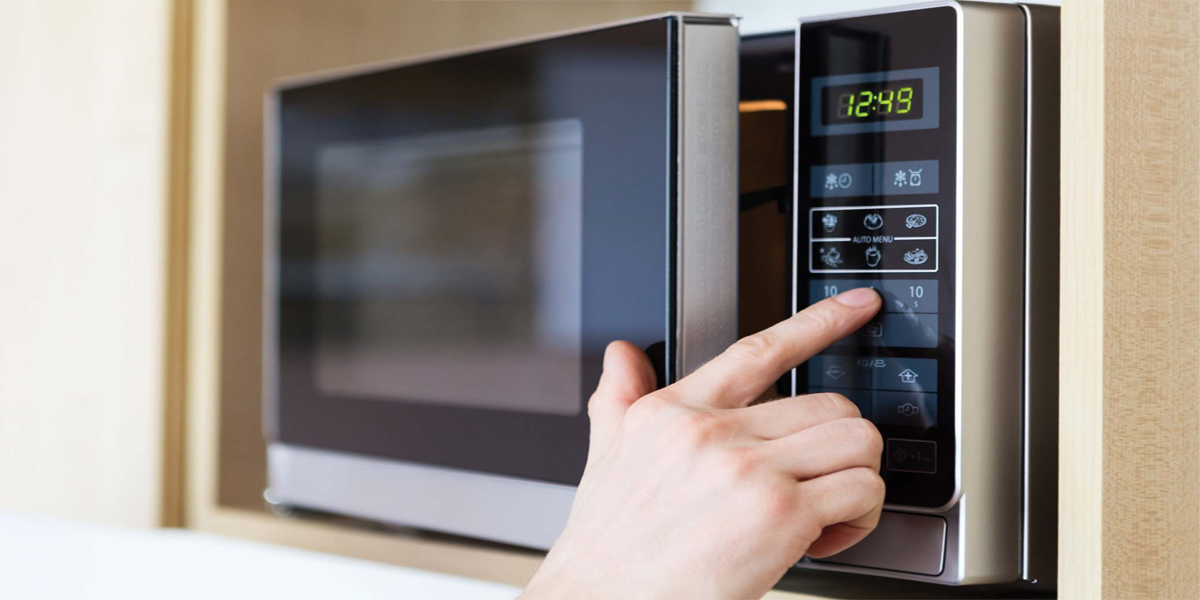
(868, 483)
(863, 433)
(594, 404)
(759, 347)
(839, 405)
(647, 406)
(810, 532)
(739, 462)
(699, 429)
(780, 501)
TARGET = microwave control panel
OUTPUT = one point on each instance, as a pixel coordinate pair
(876, 204)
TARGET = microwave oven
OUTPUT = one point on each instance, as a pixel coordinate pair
(452, 241)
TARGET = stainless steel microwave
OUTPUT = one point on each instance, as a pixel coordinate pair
(453, 240)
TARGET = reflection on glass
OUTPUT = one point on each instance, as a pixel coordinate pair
(449, 268)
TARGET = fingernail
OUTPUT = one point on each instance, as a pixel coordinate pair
(857, 298)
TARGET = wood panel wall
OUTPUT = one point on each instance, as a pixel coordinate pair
(1130, 478)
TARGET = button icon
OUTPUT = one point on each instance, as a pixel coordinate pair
(916, 256)
(901, 178)
(831, 257)
(873, 221)
(908, 376)
(829, 222)
(905, 408)
(835, 372)
(836, 181)
(915, 221)
(912, 456)
(874, 256)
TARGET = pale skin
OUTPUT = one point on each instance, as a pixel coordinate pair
(690, 492)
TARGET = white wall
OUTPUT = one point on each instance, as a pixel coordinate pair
(83, 155)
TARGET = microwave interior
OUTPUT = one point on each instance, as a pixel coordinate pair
(452, 241)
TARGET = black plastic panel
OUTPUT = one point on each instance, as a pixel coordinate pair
(876, 205)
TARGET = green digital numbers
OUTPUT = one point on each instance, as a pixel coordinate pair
(904, 100)
(863, 108)
(885, 101)
(858, 103)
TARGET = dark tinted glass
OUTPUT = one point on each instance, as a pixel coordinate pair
(459, 239)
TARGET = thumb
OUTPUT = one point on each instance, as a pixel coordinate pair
(628, 375)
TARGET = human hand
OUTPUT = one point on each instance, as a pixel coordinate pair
(689, 492)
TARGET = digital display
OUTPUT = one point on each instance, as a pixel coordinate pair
(875, 102)
(871, 102)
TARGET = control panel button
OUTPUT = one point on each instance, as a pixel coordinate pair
(907, 177)
(899, 295)
(864, 239)
(839, 181)
(899, 178)
(894, 254)
(918, 221)
(834, 256)
(899, 221)
(873, 373)
(897, 330)
(903, 408)
(912, 456)
(904, 374)
(883, 254)
(825, 371)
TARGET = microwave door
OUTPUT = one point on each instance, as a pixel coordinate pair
(452, 242)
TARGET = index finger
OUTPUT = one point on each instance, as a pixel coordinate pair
(747, 368)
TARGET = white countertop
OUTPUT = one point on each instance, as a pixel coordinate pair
(42, 557)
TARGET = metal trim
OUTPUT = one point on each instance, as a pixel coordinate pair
(1040, 391)
(302, 80)
(707, 215)
(1025, 312)
(514, 511)
(270, 317)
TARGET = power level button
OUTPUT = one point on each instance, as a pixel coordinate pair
(912, 456)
